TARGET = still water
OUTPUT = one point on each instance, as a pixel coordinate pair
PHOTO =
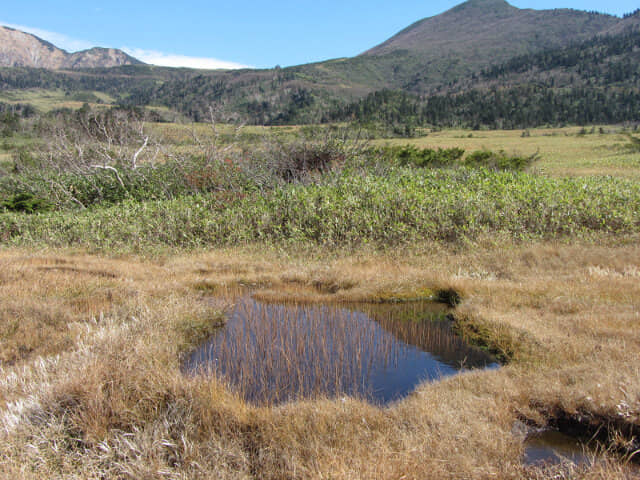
(553, 447)
(273, 353)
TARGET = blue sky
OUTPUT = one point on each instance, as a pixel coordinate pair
(214, 34)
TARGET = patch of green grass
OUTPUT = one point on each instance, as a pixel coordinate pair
(47, 100)
(17, 141)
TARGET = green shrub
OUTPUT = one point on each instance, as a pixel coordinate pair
(26, 203)
(499, 160)
(410, 155)
(93, 187)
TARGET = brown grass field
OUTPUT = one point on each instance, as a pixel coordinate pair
(91, 387)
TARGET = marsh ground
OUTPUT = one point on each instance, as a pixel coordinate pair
(91, 379)
(91, 343)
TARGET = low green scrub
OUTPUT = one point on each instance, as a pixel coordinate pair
(499, 160)
(349, 209)
(96, 170)
(410, 155)
(25, 202)
(108, 186)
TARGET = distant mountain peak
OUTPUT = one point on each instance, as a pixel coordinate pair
(21, 49)
(481, 30)
(484, 4)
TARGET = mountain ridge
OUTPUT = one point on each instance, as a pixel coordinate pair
(22, 49)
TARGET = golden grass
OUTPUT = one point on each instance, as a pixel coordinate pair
(562, 150)
(90, 384)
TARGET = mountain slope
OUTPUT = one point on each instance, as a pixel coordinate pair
(477, 26)
(478, 46)
(20, 49)
(592, 81)
(478, 33)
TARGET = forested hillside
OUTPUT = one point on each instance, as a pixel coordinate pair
(483, 63)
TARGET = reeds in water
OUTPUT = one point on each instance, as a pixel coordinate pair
(276, 353)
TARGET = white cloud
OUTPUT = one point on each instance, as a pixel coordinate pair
(171, 60)
(58, 39)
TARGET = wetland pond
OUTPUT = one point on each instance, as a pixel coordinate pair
(274, 353)
(553, 447)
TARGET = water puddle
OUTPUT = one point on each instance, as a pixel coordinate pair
(554, 447)
(273, 353)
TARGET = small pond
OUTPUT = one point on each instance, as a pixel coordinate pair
(552, 447)
(273, 353)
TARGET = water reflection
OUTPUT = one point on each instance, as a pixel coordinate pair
(552, 446)
(273, 353)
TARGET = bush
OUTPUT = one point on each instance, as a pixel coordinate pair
(410, 155)
(172, 179)
(499, 160)
(310, 154)
(26, 203)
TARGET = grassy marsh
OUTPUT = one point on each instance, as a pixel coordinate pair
(101, 304)
(114, 396)
(349, 211)
(564, 151)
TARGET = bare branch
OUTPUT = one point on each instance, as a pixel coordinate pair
(135, 155)
(110, 168)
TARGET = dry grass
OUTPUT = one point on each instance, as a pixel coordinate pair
(90, 385)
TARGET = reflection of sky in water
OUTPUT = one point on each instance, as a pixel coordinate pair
(275, 353)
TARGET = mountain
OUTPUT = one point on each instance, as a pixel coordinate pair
(98, 57)
(20, 49)
(427, 56)
(596, 81)
(480, 56)
(478, 33)
(479, 26)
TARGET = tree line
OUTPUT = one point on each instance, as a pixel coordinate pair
(516, 107)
